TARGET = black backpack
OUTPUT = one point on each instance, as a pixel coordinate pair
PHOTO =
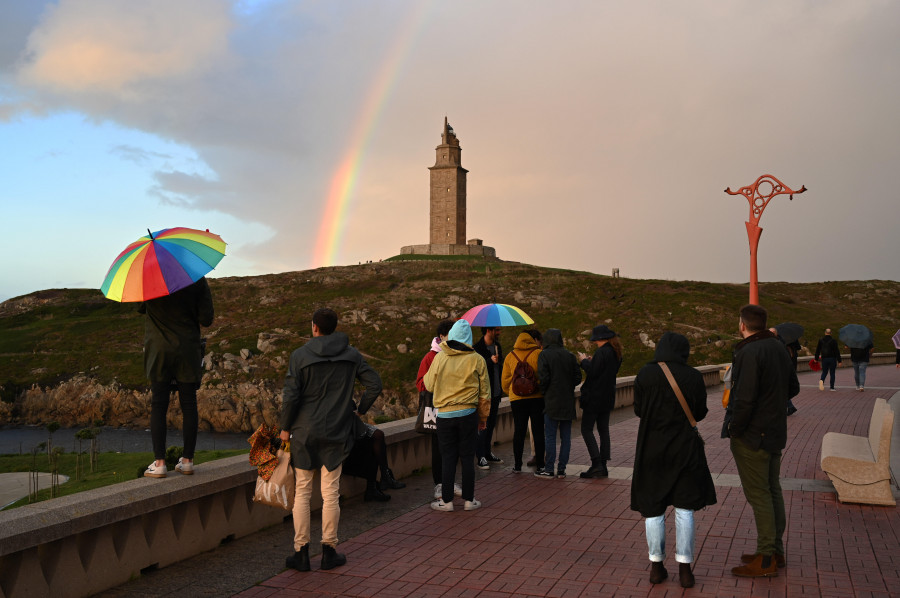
(524, 381)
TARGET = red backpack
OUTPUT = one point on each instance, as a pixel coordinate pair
(524, 381)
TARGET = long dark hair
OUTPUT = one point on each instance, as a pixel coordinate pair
(616, 344)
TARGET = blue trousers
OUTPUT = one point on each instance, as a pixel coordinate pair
(565, 442)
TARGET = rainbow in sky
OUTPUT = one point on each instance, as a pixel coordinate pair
(343, 182)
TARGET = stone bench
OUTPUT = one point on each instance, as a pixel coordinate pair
(860, 466)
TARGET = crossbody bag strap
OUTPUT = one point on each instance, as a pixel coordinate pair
(678, 393)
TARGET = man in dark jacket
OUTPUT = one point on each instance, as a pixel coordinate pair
(489, 348)
(558, 374)
(763, 380)
(831, 357)
(172, 352)
(317, 415)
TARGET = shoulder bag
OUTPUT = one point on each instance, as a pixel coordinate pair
(681, 399)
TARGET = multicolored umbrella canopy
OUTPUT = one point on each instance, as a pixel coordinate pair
(496, 314)
(161, 263)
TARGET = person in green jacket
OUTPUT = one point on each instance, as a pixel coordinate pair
(173, 354)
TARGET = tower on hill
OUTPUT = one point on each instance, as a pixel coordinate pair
(447, 199)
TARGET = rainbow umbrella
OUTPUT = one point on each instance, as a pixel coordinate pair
(496, 314)
(161, 263)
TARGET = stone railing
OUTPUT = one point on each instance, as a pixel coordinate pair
(87, 542)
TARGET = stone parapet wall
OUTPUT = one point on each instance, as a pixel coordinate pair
(448, 249)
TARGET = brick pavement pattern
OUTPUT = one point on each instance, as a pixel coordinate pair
(574, 537)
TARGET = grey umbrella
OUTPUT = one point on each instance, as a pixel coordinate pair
(856, 336)
(789, 332)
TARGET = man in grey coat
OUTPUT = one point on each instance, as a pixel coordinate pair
(317, 415)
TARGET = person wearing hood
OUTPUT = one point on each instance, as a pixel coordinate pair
(317, 415)
(559, 374)
(598, 396)
(528, 406)
(443, 329)
(670, 467)
(458, 377)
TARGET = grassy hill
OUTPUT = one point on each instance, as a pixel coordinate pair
(49, 336)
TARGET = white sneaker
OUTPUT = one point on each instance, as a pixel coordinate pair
(471, 505)
(457, 490)
(440, 505)
(483, 464)
(155, 472)
(185, 467)
(821, 385)
(439, 491)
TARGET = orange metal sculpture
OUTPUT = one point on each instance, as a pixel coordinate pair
(759, 194)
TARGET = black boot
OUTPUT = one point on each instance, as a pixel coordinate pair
(331, 558)
(388, 481)
(299, 560)
(373, 493)
(685, 575)
(596, 470)
(657, 572)
(602, 471)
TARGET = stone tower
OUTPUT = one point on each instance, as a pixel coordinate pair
(448, 192)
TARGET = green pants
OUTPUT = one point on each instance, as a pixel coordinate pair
(759, 472)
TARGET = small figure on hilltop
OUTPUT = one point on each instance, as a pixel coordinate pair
(828, 349)
(598, 397)
(763, 380)
(670, 467)
(458, 377)
(489, 348)
(173, 353)
(528, 406)
(317, 415)
(437, 475)
(559, 374)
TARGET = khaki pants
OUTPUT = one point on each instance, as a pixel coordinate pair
(330, 483)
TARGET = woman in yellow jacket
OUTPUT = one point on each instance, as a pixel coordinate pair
(529, 405)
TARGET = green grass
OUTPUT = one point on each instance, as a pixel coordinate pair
(112, 468)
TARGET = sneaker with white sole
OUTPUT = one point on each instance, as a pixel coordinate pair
(543, 473)
(185, 467)
(440, 505)
(492, 458)
(473, 504)
(438, 490)
(457, 490)
(483, 464)
(153, 471)
(821, 385)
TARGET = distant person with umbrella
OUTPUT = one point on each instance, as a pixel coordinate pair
(830, 354)
(858, 339)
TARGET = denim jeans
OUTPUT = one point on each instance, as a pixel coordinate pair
(859, 373)
(565, 442)
(684, 536)
(829, 365)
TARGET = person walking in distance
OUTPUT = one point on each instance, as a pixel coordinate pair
(598, 397)
(763, 380)
(172, 353)
(828, 349)
(859, 357)
(317, 415)
(489, 348)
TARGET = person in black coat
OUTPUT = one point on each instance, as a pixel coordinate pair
(559, 374)
(598, 397)
(670, 466)
(489, 348)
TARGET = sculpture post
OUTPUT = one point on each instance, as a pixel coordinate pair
(759, 194)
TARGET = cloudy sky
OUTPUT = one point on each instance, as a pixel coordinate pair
(597, 134)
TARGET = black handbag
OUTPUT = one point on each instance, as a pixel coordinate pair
(426, 418)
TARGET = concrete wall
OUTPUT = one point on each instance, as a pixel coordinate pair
(448, 249)
(88, 542)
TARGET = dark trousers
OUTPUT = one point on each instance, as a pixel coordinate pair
(760, 473)
(600, 419)
(159, 405)
(457, 438)
(437, 464)
(523, 410)
(829, 365)
(486, 436)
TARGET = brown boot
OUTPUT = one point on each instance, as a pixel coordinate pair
(779, 559)
(658, 572)
(760, 566)
(685, 575)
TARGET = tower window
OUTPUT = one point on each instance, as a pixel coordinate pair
(448, 189)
